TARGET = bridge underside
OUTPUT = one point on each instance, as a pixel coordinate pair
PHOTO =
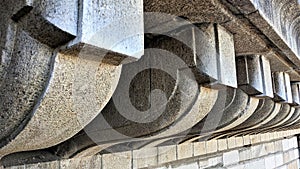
(85, 78)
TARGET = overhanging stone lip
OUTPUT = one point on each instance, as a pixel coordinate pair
(269, 19)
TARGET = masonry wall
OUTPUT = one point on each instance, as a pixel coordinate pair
(262, 151)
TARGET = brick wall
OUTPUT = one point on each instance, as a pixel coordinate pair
(262, 151)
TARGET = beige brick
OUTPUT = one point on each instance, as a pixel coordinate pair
(231, 157)
(211, 146)
(255, 139)
(83, 162)
(231, 142)
(199, 148)
(145, 157)
(276, 135)
(239, 142)
(247, 140)
(271, 136)
(166, 154)
(264, 138)
(293, 165)
(116, 160)
(185, 151)
(222, 144)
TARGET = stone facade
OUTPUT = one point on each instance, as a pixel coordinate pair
(159, 84)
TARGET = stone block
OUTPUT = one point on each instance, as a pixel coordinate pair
(51, 22)
(199, 148)
(211, 146)
(296, 93)
(207, 49)
(241, 166)
(188, 166)
(19, 167)
(222, 144)
(166, 154)
(293, 165)
(296, 153)
(239, 142)
(83, 162)
(282, 87)
(279, 159)
(116, 160)
(110, 25)
(231, 142)
(184, 151)
(258, 151)
(214, 161)
(45, 165)
(203, 163)
(286, 157)
(286, 145)
(293, 142)
(270, 147)
(254, 75)
(244, 154)
(226, 53)
(230, 158)
(278, 145)
(270, 162)
(247, 139)
(255, 164)
(255, 138)
(145, 157)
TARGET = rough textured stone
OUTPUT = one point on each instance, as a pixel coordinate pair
(166, 154)
(199, 148)
(65, 86)
(254, 75)
(112, 26)
(184, 151)
(145, 157)
(84, 162)
(231, 157)
(282, 87)
(117, 160)
(29, 71)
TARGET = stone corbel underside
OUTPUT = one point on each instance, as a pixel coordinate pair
(227, 74)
